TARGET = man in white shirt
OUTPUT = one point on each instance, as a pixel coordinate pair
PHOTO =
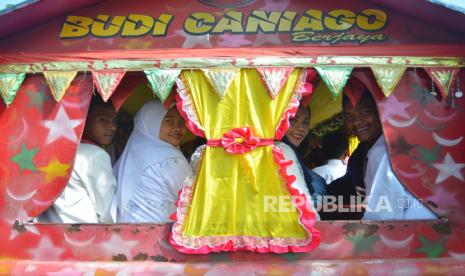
(334, 147)
(387, 198)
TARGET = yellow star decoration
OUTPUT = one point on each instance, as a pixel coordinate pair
(55, 169)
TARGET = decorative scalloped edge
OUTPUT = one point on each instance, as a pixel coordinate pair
(185, 107)
(291, 109)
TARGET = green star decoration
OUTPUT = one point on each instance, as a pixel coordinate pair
(400, 146)
(420, 94)
(429, 156)
(362, 243)
(38, 98)
(433, 249)
(24, 158)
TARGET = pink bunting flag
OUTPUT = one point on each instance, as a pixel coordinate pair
(107, 81)
(274, 78)
(443, 77)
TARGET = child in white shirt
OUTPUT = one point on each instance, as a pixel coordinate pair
(89, 193)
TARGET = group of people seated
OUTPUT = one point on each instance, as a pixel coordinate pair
(143, 184)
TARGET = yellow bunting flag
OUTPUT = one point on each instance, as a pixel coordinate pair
(107, 81)
(220, 79)
(161, 81)
(443, 77)
(59, 82)
(387, 77)
(9, 85)
(335, 77)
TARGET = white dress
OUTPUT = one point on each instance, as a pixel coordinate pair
(387, 199)
(334, 169)
(89, 193)
(150, 172)
(155, 196)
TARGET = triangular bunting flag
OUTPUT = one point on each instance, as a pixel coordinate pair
(9, 85)
(106, 81)
(220, 79)
(59, 82)
(387, 77)
(335, 77)
(161, 81)
(443, 77)
(274, 78)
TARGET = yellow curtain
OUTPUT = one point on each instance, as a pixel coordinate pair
(227, 201)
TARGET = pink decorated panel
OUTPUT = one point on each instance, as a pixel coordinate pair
(340, 240)
(425, 136)
(39, 138)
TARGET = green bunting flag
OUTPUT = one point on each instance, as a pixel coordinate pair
(59, 82)
(9, 85)
(443, 77)
(161, 81)
(387, 77)
(335, 77)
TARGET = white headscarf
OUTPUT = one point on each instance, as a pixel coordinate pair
(143, 149)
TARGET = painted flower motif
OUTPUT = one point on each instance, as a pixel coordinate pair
(239, 140)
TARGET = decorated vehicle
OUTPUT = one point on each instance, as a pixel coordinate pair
(199, 54)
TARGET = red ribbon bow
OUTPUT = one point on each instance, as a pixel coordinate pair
(239, 140)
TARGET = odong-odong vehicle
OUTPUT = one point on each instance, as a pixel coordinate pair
(410, 54)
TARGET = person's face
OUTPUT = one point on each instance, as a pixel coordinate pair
(299, 126)
(101, 125)
(172, 128)
(363, 120)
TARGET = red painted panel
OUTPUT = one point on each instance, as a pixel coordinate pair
(399, 29)
(36, 151)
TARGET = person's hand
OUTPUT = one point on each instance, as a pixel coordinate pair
(362, 194)
(360, 191)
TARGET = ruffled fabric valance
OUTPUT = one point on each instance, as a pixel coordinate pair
(226, 205)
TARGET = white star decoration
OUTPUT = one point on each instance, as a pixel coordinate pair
(448, 168)
(392, 106)
(29, 227)
(61, 126)
(22, 217)
(116, 246)
(230, 40)
(267, 40)
(46, 251)
(19, 214)
(192, 41)
(443, 198)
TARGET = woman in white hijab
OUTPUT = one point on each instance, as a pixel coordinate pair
(152, 169)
